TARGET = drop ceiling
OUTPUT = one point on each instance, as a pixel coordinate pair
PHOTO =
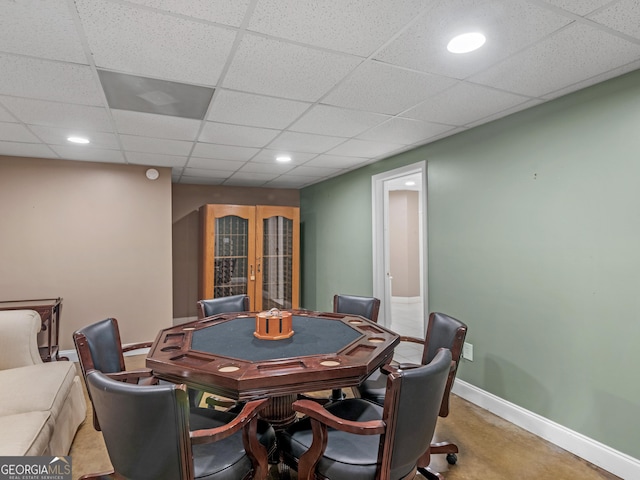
(335, 84)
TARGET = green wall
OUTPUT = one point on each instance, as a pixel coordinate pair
(534, 242)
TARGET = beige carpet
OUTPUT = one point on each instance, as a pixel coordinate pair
(490, 448)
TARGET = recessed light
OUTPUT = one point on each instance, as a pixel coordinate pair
(78, 139)
(283, 158)
(467, 42)
(410, 183)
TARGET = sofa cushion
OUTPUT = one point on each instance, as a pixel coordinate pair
(25, 434)
(41, 387)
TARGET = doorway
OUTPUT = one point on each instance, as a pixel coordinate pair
(400, 248)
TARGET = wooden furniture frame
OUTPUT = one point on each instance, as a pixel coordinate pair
(49, 310)
(172, 358)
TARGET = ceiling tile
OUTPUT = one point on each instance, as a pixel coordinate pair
(580, 7)
(335, 161)
(522, 106)
(622, 16)
(268, 155)
(364, 148)
(144, 42)
(254, 110)
(199, 172)
(287, 181)
(272, 67)
(5, 116)
(16, 132)
(223, 152)
(270, 168)
(572, 55)
(155, 145)
(58, 136)
(149, 125)
(48, 80)
(54, 114)
(217, 11)
(26, 150)
(339, 122)
(213, 164)
(353, 27)
(156, 159)
(304, 142)
(464, 103)
(376, 87)
(404, 131)
(630, 67)
(40, 29)
(242, 136)
(309, 171)
(89, 154)
(250, 179)
(424, 46)
(201, 180)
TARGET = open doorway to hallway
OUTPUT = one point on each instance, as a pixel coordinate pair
(399, 238)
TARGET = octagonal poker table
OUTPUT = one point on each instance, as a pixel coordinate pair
(221, 355)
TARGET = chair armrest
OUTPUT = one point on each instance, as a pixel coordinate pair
(136, 346)
(134, 376)
(248, 413)
(247, 420)
(220, 402)
(412, 339)
(320, 420)
(407, 366)
(319, 413)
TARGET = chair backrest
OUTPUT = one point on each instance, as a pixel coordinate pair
(99, 347)
(145, 429)
(367, 307)
(444, 331)
(411, 411)
(19, 338)
(230, 304)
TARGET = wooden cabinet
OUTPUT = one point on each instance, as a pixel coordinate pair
(252, 250)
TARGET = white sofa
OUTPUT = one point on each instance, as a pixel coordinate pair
(41, 404)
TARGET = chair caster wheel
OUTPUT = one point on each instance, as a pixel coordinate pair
(452, 458)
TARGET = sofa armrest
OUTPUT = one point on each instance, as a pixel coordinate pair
(19, 338)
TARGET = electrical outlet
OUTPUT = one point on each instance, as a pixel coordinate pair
(467, 351)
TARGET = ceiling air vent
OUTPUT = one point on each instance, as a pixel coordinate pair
(150, 95)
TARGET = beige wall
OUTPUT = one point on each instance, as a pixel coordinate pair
(98, 235)
(187, 199)
(404, 252)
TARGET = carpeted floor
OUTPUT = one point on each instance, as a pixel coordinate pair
(490, 448)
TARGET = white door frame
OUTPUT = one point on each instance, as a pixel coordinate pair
(380, 237)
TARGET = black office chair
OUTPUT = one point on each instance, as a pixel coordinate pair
(443, 331)
(214, 306)
(99, 348)
(390, 440)
(367, 307)
(151, 434)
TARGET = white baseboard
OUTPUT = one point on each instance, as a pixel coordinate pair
(618, 463)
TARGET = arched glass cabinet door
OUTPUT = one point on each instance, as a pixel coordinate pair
(227, 265)
(277, 247)
(252, 250)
